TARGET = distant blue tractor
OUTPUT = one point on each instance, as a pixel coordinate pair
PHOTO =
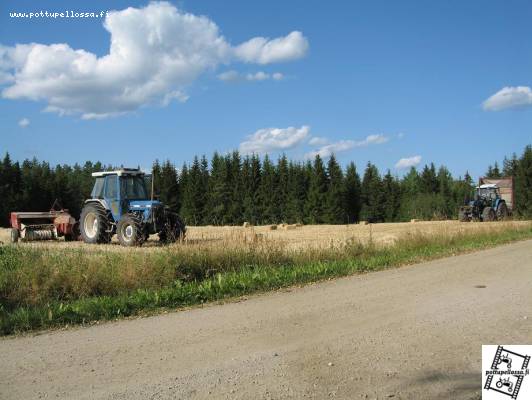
(487, 205)
(120, 203)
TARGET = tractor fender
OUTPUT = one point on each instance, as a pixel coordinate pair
(102, 202)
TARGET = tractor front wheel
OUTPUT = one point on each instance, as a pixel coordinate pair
(502, 211)
(130, 231)
(94, 224)
(488, 214)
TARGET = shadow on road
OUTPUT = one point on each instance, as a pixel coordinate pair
(460, 386)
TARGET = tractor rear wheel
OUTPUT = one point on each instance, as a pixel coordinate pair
(130, 231)
(488, 214)
(94, 224)
(14, 235)
(502, 211)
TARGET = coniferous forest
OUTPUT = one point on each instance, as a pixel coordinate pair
(230, 189)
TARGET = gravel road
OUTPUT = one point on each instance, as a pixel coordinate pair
(407, 333)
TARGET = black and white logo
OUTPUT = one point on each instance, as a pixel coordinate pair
(505, 372)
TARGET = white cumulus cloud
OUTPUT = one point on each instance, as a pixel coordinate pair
(265, 51)
(372, 139)
(234, 76)
(24, 122)
(318, 141)
(229, 76)
(258, 76)
(509, 97)
(274, 139)
(155, 53)
(330, 149)
(408, 162)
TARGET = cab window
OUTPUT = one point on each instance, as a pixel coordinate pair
(133, 188)
(110, 187)
(97, 191)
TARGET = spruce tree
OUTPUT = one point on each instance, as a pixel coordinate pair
(183, 192)
(445, 182)
(496, 173)
(297, 193)
(523, 184)
(372, 195)
(269, 208)
(251, 172)
(392, 197)
(429, 181)
(220, 192)
(203, 190)
(510, 166)
(236, 186)
(353, 202)
(317, 193)
(193, 200)
(281, 192)
(335, 207)
(169, 188)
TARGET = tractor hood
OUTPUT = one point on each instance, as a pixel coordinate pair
(144, 204)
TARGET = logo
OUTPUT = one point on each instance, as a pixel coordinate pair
(506, 373)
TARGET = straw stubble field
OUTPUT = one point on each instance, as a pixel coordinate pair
(297, 238)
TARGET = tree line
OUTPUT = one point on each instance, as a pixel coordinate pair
(232, 189)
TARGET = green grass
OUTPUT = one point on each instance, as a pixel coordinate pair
(42, 288)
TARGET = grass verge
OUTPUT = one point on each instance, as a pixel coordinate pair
(41, 288)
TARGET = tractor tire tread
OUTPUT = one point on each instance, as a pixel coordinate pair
(140, 236)
(103, 234)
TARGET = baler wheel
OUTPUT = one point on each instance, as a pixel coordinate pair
(74, 235)
(14, 235)
(130, 231)
(94, 224)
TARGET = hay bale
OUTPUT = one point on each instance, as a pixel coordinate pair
(272, 227)
(363, 222)
(290, 227)
(413, 221)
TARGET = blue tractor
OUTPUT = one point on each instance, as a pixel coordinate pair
(487, 205)
(120, 203)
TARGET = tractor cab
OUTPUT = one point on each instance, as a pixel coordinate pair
(121, 203)
(124, 191)
(488, 193)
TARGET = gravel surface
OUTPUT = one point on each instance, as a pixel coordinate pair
(409, 333)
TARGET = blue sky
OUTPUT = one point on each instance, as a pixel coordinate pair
(373, 81)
